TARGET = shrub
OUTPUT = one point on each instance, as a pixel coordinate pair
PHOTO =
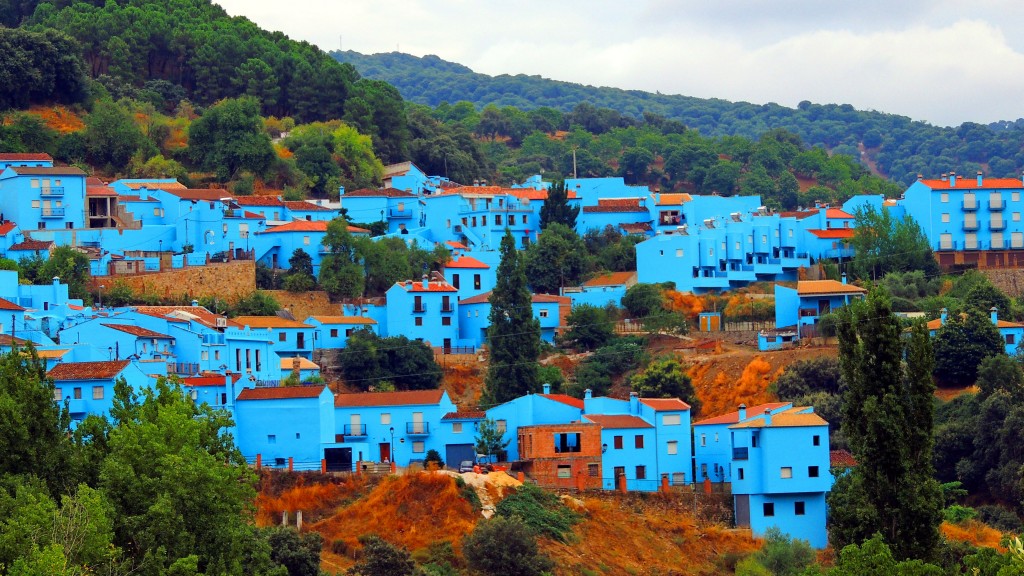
(957, 514)
(381, 557)
(433, 456)
(506, 547)
(542, 512)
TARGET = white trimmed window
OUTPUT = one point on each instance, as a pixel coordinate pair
(671, 420)
(456, 427)
(673, 447)
(945, 217)
(417, 447)
(385, 419)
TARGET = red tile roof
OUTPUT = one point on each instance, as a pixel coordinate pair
(403, 398)
(385, 192)
(8, 340)
(815, 287)
(269, 322)
(618, 421)
(131, 198)
(7, 227)
(204, 194)
(616, 205)
(87, 370)
(799, 215)
(564, 399)
(432, 286)
(259, 201)
(46, 171)
(32, 245)
(612, 279)
(25, 157)
(281, 392)
(137, 331)
(841, 459)
(203, 316)
(837, 213)
(834, 233)
(153, 185)
(734, 417)
(665, 404)
(636, 228)
(550, 299)
(308, 226)
(969, 182)
(458, 245)
(98, 191)
(218, 380)
(478, 299)
(344, 320)
(465, 262)
(303, 206)
(465, 415)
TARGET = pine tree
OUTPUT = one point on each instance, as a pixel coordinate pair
(514, 335)
(556, 208)
(887, 420)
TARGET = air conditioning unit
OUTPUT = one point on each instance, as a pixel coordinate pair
(222, 322)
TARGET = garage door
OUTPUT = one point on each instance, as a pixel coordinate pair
(455, 453)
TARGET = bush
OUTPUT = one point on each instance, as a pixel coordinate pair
(957, 514)
(1000, 518)
(382, 557)
(433, 456)
(542, 512)
(504, 546)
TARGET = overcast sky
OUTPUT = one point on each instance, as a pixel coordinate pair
(942, 61)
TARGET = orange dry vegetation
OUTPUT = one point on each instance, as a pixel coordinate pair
(282, 152)
(413, 511)
(725, 394)
(686, 303)
(312, 498)
(975, 533)
(58, 118)
(658, 540)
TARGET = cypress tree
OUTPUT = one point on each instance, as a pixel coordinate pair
(514, 334)
(556, 208)
(887, 420)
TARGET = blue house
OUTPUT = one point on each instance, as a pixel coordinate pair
(399, 208)
(1012, 333)
(291, 338)
(218, 391)
(332, 332)
(602, 290)
(407, 177)
(43, 197)
(279, 423)
(88, 387)
(468, 275)
(309, 211)
(25, 160)
(275, 245)
(459, 432)
(475, 313)
(613, 212)
(425, 310)
(804, 305)
(712, 441)
(781, 473)
(531, 410)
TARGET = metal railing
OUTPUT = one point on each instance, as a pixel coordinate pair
(417, 428)
(50, 191)
(53, 212)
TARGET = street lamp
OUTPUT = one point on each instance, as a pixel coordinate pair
(101, 295)
(391, 447)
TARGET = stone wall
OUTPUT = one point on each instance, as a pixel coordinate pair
(225, 280)
(306, 304)
(1009, 280)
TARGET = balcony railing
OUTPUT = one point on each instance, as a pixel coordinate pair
(396, 213)
(53, 212)
(419, 308)
(50, 191)
(417, 428)
(971, 225)
(739, 453)
(969, 204)
(447, 308)
(355, 429)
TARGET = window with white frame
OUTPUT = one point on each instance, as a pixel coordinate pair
(385, 419)
(417, 447)
(945, 217)
(673, 447)
(1015, 196)
(456, 427)
(57, 394)
(944, 197)
(1017, 239)
(305, 240)
(946, 241)
(543, 313)
(971, 241)
(1015, 216)
(671, 420)
(679, 252)
(500, 425)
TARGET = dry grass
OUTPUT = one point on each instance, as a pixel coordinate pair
(974, 533)
(59, 118)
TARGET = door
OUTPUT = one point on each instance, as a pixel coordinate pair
(354, 428)
(743, 511)
(417, 423)
(385, 452)
(456, 453)
(338, 459)
(300, 340)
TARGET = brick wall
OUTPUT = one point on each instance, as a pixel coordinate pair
(225, 280)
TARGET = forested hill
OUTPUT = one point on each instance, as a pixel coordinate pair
(895, 145)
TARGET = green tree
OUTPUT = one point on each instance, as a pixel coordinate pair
(380, 557)
(589, 328)
(514, 334)
(888, 421)
(300, 272)
(229, 138)
(1000, 372)
(807, 376)
(782, 555)
(556, 208)
(874, 558)
(504, 546)
(642, 300)
(557, 259)
(341, 274)
(666, 378)
(886, 244)
(298, 552)
(490, 439)
(112, 137)
(961, 344)
(256, 303)
(407, 364)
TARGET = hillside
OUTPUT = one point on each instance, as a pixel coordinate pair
(899, 147)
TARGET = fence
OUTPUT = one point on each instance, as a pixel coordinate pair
(290, 464)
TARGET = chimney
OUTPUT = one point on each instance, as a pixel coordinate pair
(195, 303)
(844, 277)
(296, 368)
(942, 316)
(994, 314)
(588, 394)
(943, 176)
(920, 177)
(426, 282)
(742, 413)
(980, 179)
(56, 280)
(767, 417)
(547, 388)
(634, 403)
(952, 179)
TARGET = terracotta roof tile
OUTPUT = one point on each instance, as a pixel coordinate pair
(137, 331)
(8, 305)
(358, 320)
(734, 417)
(6, 227)
(963, 183)
(403, 398)
(834, 233)
(197, 381)
(202, 315)
(432, 286)
(465, 415)
(153, 185)
(841, 459)
(87, 370)
(46, 171)
(465, 262)
(25, 157)
(564, 399)
(199, 194)
(636, 227)
(791, 418)
(308, 226)
(98, 191)
(817, 287)
(665, 404)
(32, 245)
(304, 364)
(618, 421)
(612, 279)
(281, 392)
(478, 299)
(616, 205)
(259, 201)
(303, 206)
(837, 213)
(671, 199)
(269, 322)
(458, 245)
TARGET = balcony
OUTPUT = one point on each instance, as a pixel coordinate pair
(53, 212)
(417, 428)
(970, 225)
(969, 204)
(396, 213)
(996, 205)
(355, 430)
(51, 191)
(997, 224)
(448, 307)
(419, 308)
(739, 453)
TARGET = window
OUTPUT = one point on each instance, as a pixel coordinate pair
(455, 281)
(673, 447)
(1011, 339)
(703, 439)
(224, 228)
(739, 473)
(679, 252)
(334, 332)
(57, 395)
(305, 240)
(35, 203)
(970, 221)
(945, 241)
(641, 472)
(945, 217)
(716, 436)
(769, 509)
(970, 241)
(78, 393)
(194, 394)
(543, 314)
(1017, 240)
(417, 447)
(205, 355)
(816, 440)
(512, 220)
(35, 183)
(282, 337)
(500, 425)
(497, 219)
(564, 471)
(617, 442)
(271, 438)
(593, 470)
(1015, 196)
(753, 440)
(483, 220)
(418, 321)
(448, 223)
(456, 427)
(216, 354)
(476, 281)
(638, 441)
(671, 420)
(812, 471)
(798, 508)
(786, 472)
(445, 321)
(567, 442)
(944, 197)
(1016, 216)
(385, 418)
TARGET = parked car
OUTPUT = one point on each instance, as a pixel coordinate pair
(465, 466)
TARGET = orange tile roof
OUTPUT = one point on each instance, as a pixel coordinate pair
(665, 404)
(465, 262)
(819, 287)
(137, 331)
(196, 381)
(799, 214)
(837, 213)
(458, 245)
(98, 191)
(612, 279)
(308, 226)
(616, 205)
(47, 171)
(344, 319)
(432, 286)
(618, 421)
(32, 245)
(304, 364)
(785, 419)
(281, 392)
(25, 157)
(87, 370)
(970, 182)
(8, 305)
(154, 185)
(7, 227)
(564, 399)
(204, 194)
(259, 201)
(55, 353)
(530, 194)
(734, 417)
(465, 415)
(834, 233)
(302, 205)
(550, 299)
(402, 398)
(478, 299)
(269, 322)
(671, 199)
(203, 316)
(130, 198)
